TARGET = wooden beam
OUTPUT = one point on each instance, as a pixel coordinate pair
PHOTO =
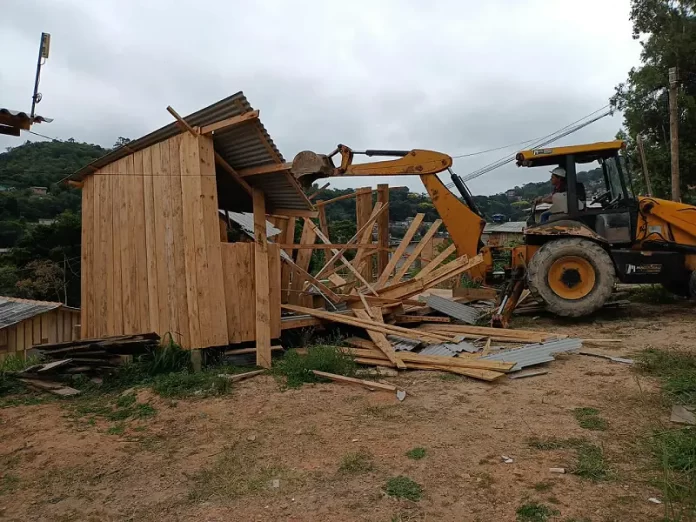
(439, 259)
(345, 262)
(243, 351)
(383, 229)
(337, 198)
(328, 246)
(330, 295)
(323, 187)
(484, 375)
(416, 251)
(457, 362)
(380, 340)
(376, 212)
(230, 122)
(363, 209)
(264, 169)
(420, 319)
(262, 285)
(372, 325)
(351, 380)
(384, 276)
(302, 261)
(293, 212)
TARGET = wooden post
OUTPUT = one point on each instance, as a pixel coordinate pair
(262, 288)
(674, 132)
(644, 163)
(383, 229)
(363, 207)
(196, 360)
(323, 223)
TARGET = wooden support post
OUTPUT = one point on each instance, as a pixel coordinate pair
(644, 164)
(262, 287)
(197, 360)
(674, 132)
(324, 224)
(286, 270)
(363, 207)
(384, 277)
(383, 229)
(304, 256)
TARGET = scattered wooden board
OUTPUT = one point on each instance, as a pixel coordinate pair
(352, 380)
(420, 319)
(381, 341)
(55, 388)
(455, 362)
(240, 376)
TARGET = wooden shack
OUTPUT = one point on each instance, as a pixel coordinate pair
(153, 256)
(25, 324)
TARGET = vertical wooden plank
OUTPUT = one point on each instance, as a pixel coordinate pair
(233, 298)
(108, 260)
(214, 294)
(86, 256)
(52, 326)
(177, 222)
(28, 334)
(262, 290)
(36, 330)
(286, 274)
(150, 242)
(139, 244)
(304, 255)
(131, 312)
(238, 259)
(20, 336)
(116, 196)
(44, 328)
(166, 184)
(162, 211)
(102, 255)
(190, 190)
(363, 208)
(274, 266)
(383, 229)
(11, 339)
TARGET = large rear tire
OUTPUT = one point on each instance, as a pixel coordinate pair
(573, 276)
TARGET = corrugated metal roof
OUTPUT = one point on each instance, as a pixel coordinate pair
(243, 146)
(23, 115)
(403, 344)
(467, 314)
(437, 349)
(533, 354)
(14, 310)
(246, 221)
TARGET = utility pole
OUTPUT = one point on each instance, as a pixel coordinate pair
(641, 151)
(674, 132)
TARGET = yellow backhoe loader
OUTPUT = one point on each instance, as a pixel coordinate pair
(572, 261)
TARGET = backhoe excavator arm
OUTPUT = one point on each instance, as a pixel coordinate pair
(463, 222)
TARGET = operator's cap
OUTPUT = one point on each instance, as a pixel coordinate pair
(559, 171)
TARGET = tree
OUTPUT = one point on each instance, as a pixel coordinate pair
(121, 141)
(667, 30)
(45, 281)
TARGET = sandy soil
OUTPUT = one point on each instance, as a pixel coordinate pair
(220, 459)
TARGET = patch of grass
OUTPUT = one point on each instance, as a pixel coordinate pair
(11, 364)
(403, 487)
(652, 294)
(117, 429)
(542, 486)
(589, 419)
(676, 371)
(297, 369)
(448, 377)
(184, 384)
(360, 462)
(535, 512)
(416, 453)
(8, 483)
(25, 399)
(555, 444)
(591, 463)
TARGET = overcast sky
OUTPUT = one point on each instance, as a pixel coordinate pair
(457, 76)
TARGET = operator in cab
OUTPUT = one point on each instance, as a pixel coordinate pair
(559, 196)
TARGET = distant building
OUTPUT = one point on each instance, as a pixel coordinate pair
(503, 234)
(39, 191)
(499, 218)
(511, 194)
(47, 221)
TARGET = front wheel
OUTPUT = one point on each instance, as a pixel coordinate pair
(573, 276)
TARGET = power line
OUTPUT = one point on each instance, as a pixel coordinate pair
(493, 150)
(43, 135)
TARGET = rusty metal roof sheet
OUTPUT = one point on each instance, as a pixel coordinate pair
(242, 146)
(14, 310)
(24, 116)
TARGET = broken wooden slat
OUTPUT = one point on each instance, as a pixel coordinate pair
(381, 341)
(235, 377)
(54, 365)
(55, 388)
(352, 380)
(476, 294)
(401, 272)
(494, 333)
(384, 276)
(420, 319)
(457, 362)
(484, 375)
(439, 259)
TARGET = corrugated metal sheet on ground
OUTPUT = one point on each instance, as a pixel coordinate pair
(449, 349)
(243, 146)
(403, 344)
(13, 311)
(533, 354)
(246, 221)
(459, 311)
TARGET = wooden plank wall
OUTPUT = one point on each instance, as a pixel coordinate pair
(55, 326)
(238, 265)
(151, 256)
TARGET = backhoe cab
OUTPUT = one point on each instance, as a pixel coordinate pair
(607, 233)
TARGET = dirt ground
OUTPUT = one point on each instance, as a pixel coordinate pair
(265, 453)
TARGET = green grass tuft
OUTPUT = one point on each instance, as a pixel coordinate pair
(117, 429)
(589, 419)
(535, 512)
(542, 486)
(555, 444)
(11, 364)
(360, 462)
(652, 294)
(298, 368)
(403, 487)
(416, 453)
(184, 384)
(676, 370)
(591, 463)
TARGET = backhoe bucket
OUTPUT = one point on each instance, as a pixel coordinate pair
(309, 166)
